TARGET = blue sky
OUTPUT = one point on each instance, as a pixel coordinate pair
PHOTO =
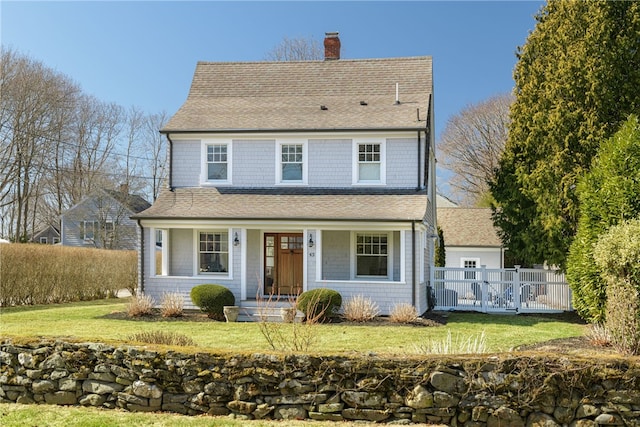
(143, 53)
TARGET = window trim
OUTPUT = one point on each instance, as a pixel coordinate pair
(355, 165)
(354, 255)
(476, 261)
(83, 230)
(196, 262)
(204, 168)
(305, 161)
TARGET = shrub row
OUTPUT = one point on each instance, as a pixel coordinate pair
(44, 274)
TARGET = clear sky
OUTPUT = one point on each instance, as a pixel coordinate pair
(143, 53)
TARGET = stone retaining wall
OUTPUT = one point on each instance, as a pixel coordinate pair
(505, 390)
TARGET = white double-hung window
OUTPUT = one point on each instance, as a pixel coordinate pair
(216, 168)
(213, 252)
(291, 162)
(372, 255)
(369, 162)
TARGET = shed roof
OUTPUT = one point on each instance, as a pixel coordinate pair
(468, 227)
(274, 96)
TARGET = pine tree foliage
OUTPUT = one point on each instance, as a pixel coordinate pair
(608, 195)
(576, 81)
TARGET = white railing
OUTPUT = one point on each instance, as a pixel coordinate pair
(520, 290)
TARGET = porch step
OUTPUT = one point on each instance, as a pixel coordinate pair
(274, 311)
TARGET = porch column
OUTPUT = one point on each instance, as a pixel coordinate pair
(242, 236)
(312, 238)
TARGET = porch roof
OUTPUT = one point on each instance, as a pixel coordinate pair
(288, 204)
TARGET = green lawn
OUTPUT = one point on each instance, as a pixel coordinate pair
(15, 415)
(86, 321)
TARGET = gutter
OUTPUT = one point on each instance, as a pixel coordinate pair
(298, 130)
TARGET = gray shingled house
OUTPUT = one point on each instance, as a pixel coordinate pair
(290, 176)
(102, 220)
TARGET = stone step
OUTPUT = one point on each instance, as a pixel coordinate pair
(253, 312)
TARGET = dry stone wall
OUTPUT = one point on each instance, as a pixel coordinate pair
(475, 391)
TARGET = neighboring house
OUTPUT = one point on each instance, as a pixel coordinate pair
(290, 176)
(49, 235)
(102, 220)
(470, 239)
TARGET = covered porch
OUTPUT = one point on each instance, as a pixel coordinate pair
(385, 261)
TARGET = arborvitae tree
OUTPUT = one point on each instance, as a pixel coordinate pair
(576, 81)
(608, 194)
(441, 255)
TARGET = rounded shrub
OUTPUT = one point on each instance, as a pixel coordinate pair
(319, 304)
(211, 299)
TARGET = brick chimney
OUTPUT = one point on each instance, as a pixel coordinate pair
(331, 46)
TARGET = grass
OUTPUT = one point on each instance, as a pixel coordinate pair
(86, 321)
(16, 415)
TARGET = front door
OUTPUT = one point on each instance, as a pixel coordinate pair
(283, 263)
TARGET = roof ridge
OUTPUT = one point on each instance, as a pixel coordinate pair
(318, 61)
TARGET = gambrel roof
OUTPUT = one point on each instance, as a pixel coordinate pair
(357, 94)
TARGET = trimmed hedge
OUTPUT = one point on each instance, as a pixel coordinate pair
(617, 254)
(320, 304)
(211, 299)
(47, 274)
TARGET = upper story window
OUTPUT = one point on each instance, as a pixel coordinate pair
(216, 166)
(217, 162)
(369, 162)
(291, 167)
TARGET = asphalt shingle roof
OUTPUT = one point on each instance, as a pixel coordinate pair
(269, 96)
(470, 227)
(213, 203)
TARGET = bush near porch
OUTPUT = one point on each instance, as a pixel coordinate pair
(43, 274)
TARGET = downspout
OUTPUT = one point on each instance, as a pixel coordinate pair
(141, 279)
(170, 183)
(418, 160)
(427, 144)
(413, 263)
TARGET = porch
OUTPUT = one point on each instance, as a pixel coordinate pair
(386, 262)
(506, 290)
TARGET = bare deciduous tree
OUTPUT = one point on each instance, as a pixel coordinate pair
(297, 49)
(471, 145)
(156, 151)
(32, 96)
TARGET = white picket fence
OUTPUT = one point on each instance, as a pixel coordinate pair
(503, 290)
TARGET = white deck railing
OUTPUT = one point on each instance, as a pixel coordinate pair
(520, 290)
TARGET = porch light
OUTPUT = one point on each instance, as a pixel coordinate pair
(310, 240)
(236, 241)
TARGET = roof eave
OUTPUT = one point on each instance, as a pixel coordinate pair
(293, 130)
(175, 218)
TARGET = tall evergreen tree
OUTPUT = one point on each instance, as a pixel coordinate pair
(576, 81)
